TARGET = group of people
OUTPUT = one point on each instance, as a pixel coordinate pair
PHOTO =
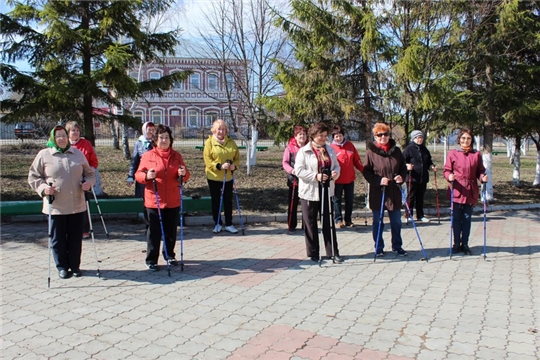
(63, 174)
(319, 176)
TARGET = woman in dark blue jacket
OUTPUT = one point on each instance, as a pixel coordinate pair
(419, 162)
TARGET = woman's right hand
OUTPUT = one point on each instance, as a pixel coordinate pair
(49, 190)
(451, 177)
(151, 174)
(384, 181)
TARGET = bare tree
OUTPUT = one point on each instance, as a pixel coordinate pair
(244, 41)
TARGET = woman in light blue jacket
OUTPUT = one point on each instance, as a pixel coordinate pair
(316, 166)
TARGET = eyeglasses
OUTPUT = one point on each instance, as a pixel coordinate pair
(382, 134)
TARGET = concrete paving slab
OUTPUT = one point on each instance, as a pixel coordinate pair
(257, 296)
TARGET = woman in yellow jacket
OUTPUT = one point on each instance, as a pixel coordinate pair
(221, 158)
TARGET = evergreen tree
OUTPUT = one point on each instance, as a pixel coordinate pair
(81, 53)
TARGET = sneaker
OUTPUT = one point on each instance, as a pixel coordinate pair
(349, 224)
(173, 262)
(340, 224)
(152, 267)
(466, 250)
(217, 229)
(400, 252)
(85, 235)
(424, 219)
(456, 249)
(409, 219)
(380, 253)
(315, 258)
(338, 259)
(231, 229)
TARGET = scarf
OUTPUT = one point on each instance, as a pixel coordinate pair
(51, 143)
(322, 155)
(384, 147)
(466, 149)
(219, 141)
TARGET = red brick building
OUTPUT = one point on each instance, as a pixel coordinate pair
(192, 105)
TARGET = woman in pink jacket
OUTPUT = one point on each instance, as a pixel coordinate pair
(289, 155)
(463, 168)
(164, 166)
(348, 159)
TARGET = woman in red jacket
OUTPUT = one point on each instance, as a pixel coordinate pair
(348, 159)
(164, 166)
(463, 168)
(74, 133)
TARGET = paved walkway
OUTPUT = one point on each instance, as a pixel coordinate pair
(257, 296)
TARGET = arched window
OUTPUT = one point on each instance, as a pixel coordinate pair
(193, 118)
(178, 85)
(138, 114)
(212, 82)
(195, 82)
(229, 79)
(154, 75)
(157, 117)
(209, 118)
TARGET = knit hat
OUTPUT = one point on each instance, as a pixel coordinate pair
(415, 134)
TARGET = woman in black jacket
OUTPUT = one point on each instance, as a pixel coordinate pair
(419, 162)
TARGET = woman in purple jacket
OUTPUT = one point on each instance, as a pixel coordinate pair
(463, 168)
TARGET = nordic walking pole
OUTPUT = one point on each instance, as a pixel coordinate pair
(220, 202)
(321, 216)
(437, 197)
(484, 195)
(408, 198)
(181, 224)
(162, 231)
(332, 228)
(425, 258)
(294, 185)
(92, 235)
(238, 203)
(50, 198)
(99, 211)
(366, 204)
(381, 214)
(451, 214)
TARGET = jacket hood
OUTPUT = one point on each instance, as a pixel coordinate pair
(377, 150)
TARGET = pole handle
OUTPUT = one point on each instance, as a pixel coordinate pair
(50, 197)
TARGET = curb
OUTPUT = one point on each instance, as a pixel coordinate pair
(267, 218)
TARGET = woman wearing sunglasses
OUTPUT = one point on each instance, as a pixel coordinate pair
(384, 170)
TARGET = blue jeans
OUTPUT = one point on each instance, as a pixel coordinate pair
(462, 223)
(349, 198)
(395, 227)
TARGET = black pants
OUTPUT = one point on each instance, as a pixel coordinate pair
(292, 218)
(170, 219)
(416, 197)
(310, 212)
(215, 195)
(66, 240)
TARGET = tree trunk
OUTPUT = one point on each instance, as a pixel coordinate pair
(125, 143)
(536, 181)
(114, 134)
(517, 163)
(487, 155)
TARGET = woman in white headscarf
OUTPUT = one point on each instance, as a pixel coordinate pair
(143, 144)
